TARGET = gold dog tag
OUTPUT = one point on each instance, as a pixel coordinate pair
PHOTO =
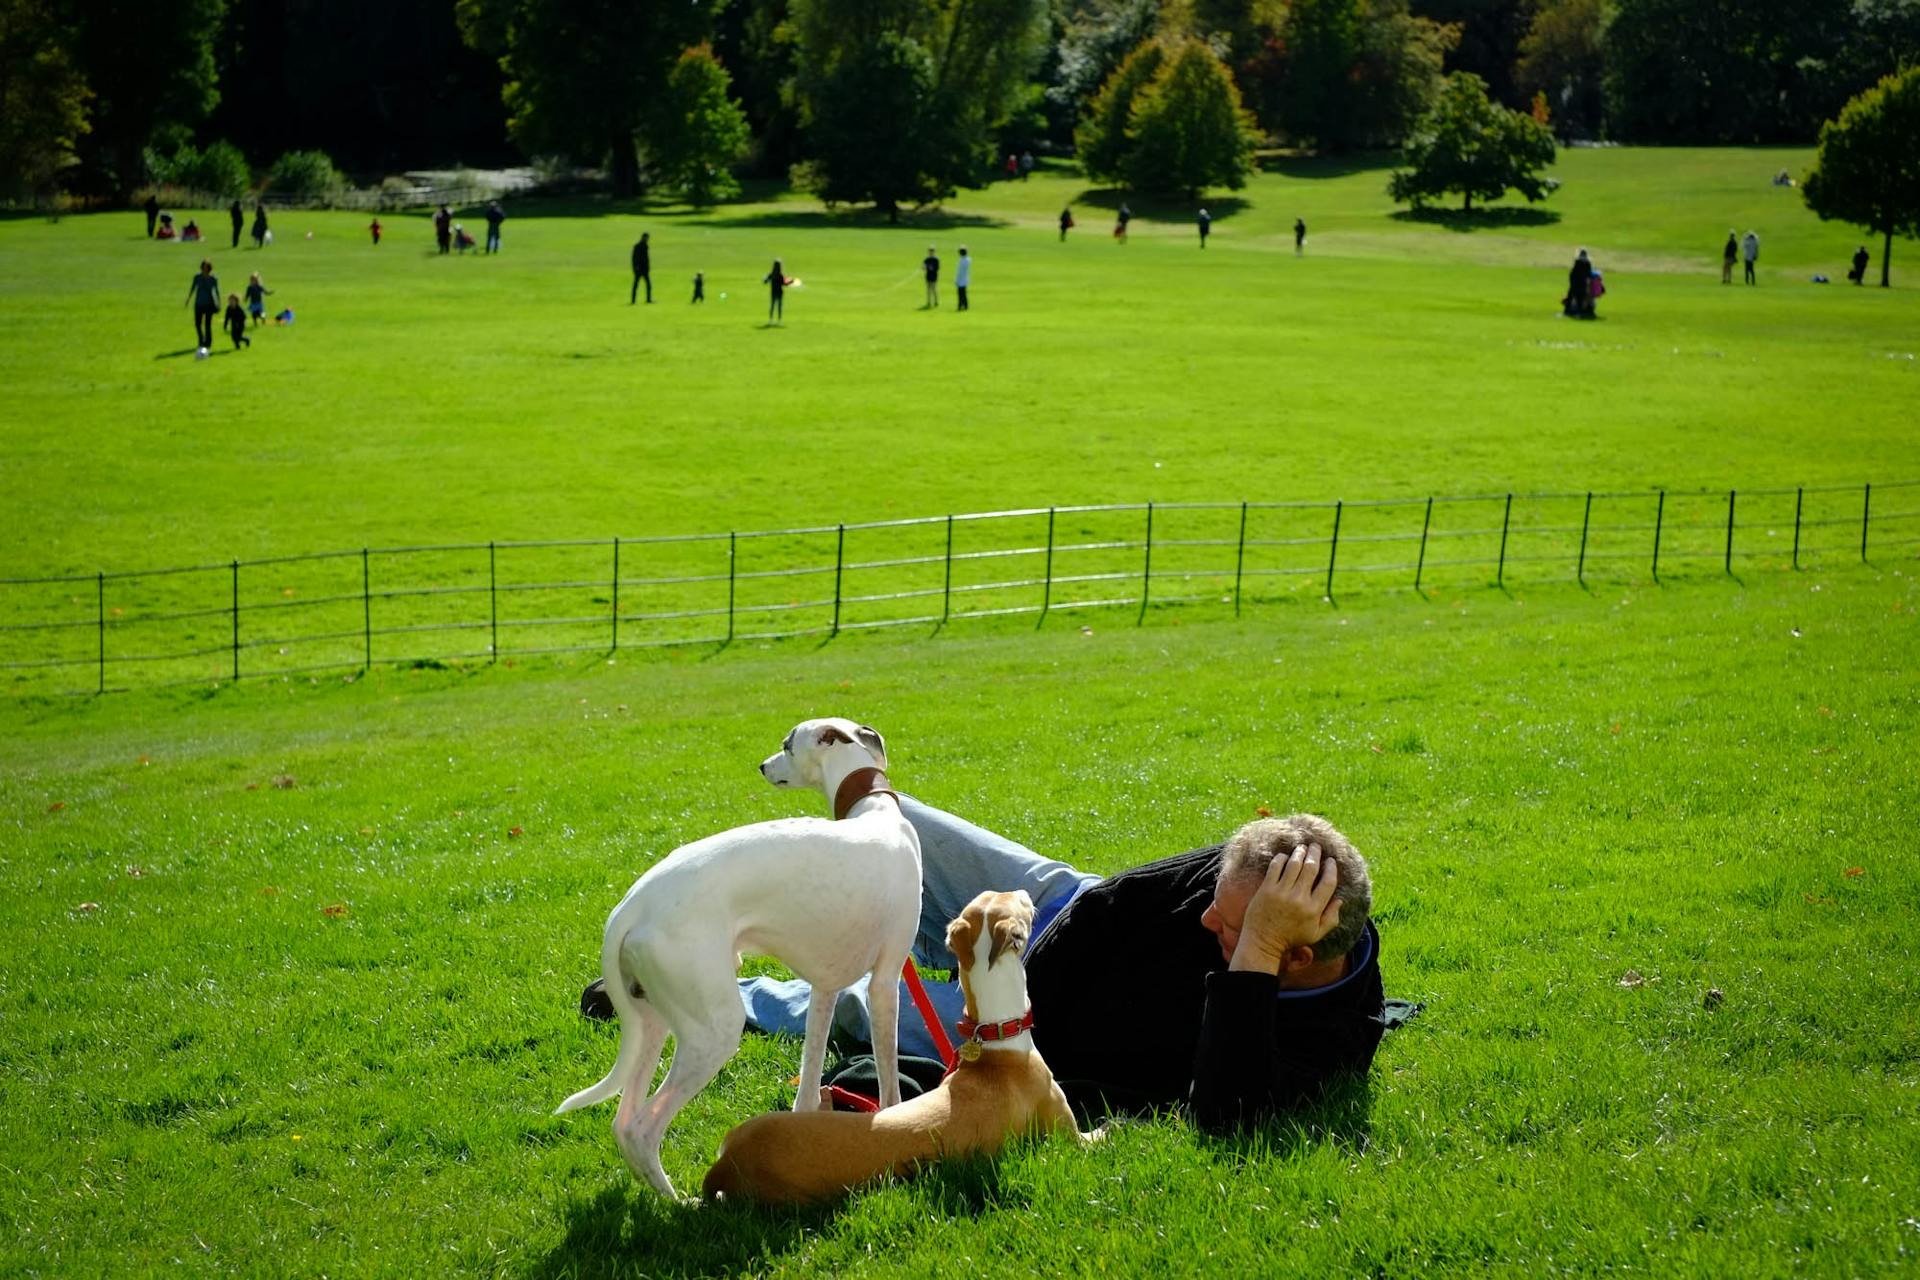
(970, 1051)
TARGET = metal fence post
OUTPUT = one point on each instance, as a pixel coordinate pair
(1659, 516)
(616, 594)
(1586, 519)
(1799, 496)
(1420, 565)
(733, 561)
(1730, 498)
(493, 609)
(946, 589)
(1146, 569)
(1866, 505)
(1239, 559)
(1046, 593)
(1333, 548)
(366, 610)
(1506, 518)
(839, 562)
(100, 615)
(236, 620)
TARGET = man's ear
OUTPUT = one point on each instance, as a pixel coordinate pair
(1299, 957)
(870, 739)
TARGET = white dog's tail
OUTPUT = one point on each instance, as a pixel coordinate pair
(633, 1015)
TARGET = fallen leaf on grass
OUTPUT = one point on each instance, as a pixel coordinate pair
(284, 781)
(253, 786)
(1616, 727)
(1855, 871)
(1631, 979)
(1375, 748)
(56, 806)
(366, 831)
(1264, 812)
(516, 831)
(335, 912)
(1827, 711)
(268, 891)
(88, 906)
(136, 873)
(145, 760)
(1818, 901)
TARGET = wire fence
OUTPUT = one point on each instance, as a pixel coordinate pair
(423, 605)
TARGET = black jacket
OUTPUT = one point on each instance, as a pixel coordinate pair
(1134, 1008)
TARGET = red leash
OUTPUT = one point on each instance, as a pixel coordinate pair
(860, 1102)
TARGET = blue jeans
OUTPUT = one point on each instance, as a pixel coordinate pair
(958, 861)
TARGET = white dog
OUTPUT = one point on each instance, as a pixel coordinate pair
(836, 901)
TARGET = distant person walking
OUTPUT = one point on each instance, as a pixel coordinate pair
(1026, 165)
(642, 268)
(930, 267)
(1750, 254)
(152, 206)
(495, 216)
(443, 228)
(259, 226)
(699, 287)
(777, 282)
(257, 299)
(239, 221)
(1205, 221)
(204, 295)
(1299, 237)
(374, 229)
(1013, 165)
(1120, 223)
(236, 323)
(1729, 256)
(962, 277)
(1066, 223)
(1861, 259)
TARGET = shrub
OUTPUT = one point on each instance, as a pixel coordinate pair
(220, 170)
(303, 174)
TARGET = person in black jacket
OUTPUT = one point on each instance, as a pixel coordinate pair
(1238, 980)
(642, 268)
(239, 221)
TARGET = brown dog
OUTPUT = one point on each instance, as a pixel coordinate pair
(1000, 1088)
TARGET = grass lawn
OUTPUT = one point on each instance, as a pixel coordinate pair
(321, 1002)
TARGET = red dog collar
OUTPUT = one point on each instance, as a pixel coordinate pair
(971, 1030)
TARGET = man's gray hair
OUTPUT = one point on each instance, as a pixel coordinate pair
(1254, 847)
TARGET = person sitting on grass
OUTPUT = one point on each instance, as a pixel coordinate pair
(1240, 980)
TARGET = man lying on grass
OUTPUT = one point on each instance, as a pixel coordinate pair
(1238, 980)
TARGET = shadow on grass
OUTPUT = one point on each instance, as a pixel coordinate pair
(1160, 208)
(213, 353)
(1485, 219)
(931, 219)
(627, 1231)
(1343, 1117)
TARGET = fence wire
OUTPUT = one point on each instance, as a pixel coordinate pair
(421, 605)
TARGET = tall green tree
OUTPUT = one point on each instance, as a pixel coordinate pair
(1188, 130)
(1102, 140)
(582, 76)
(1867, 170)
(1473, 146)
(1353, 73)
(1095, 38)
(151, 68)
(702, 130)
(947, 74)
(1322, 40)
(43, 97)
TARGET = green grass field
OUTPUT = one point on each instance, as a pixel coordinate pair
(318, 1002)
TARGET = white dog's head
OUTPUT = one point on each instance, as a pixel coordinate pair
(801, 760)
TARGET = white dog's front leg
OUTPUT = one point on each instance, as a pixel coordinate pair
(883, 1004)
(813, 1056)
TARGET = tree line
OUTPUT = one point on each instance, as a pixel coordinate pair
(890, 102)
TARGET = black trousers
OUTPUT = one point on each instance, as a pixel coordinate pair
(962, 291)
(638, 276)
(203, 325)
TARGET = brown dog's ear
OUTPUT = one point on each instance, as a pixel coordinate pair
(1010, 931)
(963, 932)
(870, 739)
(830, 735)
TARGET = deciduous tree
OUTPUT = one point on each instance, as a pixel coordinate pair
(151, 69)
(1187, 129)
(1867, 170)
(1101, 141)
(1473, 146)
(43, 97)
(702, 130)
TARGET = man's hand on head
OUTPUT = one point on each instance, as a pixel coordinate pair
(1294, 907)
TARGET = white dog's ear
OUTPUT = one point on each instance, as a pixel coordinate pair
(870, 739)
(830, 735)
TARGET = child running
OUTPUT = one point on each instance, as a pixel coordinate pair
(236, 322)
(257, 299)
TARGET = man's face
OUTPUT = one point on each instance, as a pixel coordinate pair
(1228, 911)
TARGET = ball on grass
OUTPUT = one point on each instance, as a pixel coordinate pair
(201, 353)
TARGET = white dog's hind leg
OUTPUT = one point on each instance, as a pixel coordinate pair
(813, 1056)
(651, 1038)
(697, 1058)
